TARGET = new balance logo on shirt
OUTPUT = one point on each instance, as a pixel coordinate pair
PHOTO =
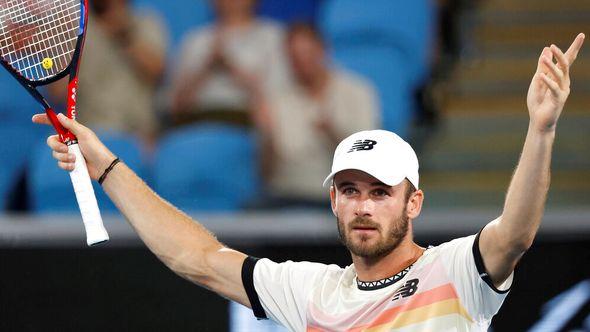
(408, 289)
(362, 145)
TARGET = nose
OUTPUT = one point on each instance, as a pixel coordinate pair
(364, 207)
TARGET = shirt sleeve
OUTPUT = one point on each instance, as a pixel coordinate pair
(477, 292)
(280, 291)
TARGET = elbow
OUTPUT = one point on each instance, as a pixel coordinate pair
(193, 265)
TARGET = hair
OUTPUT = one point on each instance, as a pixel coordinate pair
(305, 28)
(410, 189)
(99, 7)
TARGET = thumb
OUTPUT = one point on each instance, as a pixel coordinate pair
(69, 124)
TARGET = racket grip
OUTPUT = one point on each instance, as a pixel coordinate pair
(95, 231)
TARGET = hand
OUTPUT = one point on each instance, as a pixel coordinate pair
(116, 21)
(550, 86)
(97, 156)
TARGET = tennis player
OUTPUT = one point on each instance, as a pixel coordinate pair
(393, 283)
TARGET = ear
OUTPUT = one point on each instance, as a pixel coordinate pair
(333, 199)
(414, 206)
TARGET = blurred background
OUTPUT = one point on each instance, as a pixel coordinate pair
(231, 110)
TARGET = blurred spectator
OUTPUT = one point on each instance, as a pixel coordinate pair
(301, 128)
(223, 63)
(123, 62)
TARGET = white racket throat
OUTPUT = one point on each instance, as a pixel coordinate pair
(95, 231)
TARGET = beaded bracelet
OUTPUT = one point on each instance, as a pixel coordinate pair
(106, 171)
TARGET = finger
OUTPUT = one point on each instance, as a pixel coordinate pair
(56, 145)
(553, 86)
(557, 73)
(64, 157)
(562, 61)
(41, 119)
(572, 52)
(546, 53)
(66, 166)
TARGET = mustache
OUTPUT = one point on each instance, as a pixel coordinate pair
(363, 222)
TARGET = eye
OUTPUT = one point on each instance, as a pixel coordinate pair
(349, 191)
(380, 192)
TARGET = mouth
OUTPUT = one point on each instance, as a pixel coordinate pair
(364, 229)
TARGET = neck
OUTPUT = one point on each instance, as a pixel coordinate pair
(371, 269)
(316, 86)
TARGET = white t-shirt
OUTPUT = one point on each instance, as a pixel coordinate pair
(444, 290)
(257, 49)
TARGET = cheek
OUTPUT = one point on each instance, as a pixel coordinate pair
(342, 208)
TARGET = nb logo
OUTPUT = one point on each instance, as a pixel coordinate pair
(408, 289)
(362, 145)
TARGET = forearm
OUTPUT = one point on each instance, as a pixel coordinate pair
(527, 193)
(177, 240)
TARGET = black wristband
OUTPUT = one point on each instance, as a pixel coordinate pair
(106, 171)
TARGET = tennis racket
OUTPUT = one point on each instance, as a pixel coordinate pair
(41, 42)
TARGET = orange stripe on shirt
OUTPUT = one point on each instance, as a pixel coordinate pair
(441, 293)
(423, 314)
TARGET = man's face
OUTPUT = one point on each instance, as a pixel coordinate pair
(225, 8)
(306, 55)
(372, 218)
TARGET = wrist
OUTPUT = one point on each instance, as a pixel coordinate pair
(542, 129)
(107, 170)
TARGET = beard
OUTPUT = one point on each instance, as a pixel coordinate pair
(384, 245)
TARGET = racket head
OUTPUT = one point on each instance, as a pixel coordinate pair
(40, 40)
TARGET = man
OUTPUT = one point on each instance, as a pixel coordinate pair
(222, 65)
(393, 283)
(321, 107)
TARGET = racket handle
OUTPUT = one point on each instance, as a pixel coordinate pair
(95, 231)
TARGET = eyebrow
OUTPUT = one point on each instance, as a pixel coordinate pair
(346, 183)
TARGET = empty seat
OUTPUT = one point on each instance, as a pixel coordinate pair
(389, 43)
(207, 167)
(405, 25)
(50, 188)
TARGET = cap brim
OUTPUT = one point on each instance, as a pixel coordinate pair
(388, 180)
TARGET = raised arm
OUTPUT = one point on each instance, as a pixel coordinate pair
(504, 240)
(182, 244)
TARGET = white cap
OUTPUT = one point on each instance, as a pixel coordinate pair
(380, 153)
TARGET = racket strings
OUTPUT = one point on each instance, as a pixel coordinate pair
(38, 37)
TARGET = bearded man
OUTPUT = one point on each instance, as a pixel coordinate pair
(393, 283)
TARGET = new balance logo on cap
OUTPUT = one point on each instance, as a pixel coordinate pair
(362, 145)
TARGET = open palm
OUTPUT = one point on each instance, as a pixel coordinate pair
(550, 86)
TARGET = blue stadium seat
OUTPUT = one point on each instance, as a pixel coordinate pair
(389, 43)
(288, 11)
(386, 70)
(50, 189)
(207, 167)
(17, 133)
(17, 140)
(405, 25)
(180, 15)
